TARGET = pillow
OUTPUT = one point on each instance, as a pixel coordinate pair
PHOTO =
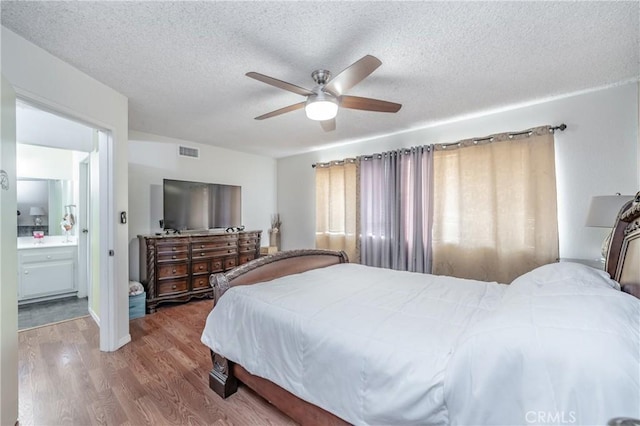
(576, 274)
(135, 288)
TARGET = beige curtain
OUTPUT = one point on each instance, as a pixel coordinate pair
(336, 207)
(495, 214)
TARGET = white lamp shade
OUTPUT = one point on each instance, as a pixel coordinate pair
(36, 211)
(321, 106)
(321, 110)
(604, 209)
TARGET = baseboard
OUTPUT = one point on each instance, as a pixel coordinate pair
(95, 317)
(124, 340)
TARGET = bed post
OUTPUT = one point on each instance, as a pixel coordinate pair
(221, 378)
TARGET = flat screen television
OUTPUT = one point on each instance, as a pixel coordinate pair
(198, 205)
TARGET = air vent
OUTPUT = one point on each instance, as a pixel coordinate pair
(186, 151)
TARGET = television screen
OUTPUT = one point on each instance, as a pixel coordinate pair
(198, 205)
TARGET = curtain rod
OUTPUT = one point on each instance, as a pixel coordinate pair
(334, 162)
(562, 127)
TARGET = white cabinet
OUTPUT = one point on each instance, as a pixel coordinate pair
(46, 273)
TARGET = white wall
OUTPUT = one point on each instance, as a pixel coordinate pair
(48, 82)
(596, 155)
(153, 158)
(41, 162)
(37, 127)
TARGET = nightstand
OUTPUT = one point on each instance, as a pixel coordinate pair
(594, 263)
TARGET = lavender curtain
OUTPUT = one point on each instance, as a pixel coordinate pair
(396, 209)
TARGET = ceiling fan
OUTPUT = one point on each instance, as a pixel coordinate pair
(324, 99)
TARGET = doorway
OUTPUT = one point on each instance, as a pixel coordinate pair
(55, 155)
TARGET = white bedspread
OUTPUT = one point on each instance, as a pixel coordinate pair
(562, 347)
(367, 344)
(375, 346)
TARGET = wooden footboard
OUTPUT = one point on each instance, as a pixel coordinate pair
(275, 266)
(225, 375)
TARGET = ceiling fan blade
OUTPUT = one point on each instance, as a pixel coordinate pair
(352, 75)
(328, 125)
(368, 104)
(281, 111)
(279, 83)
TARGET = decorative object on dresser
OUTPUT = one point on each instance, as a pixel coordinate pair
(176, 268)
(274, 231)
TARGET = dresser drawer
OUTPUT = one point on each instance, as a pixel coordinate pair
(172, 247)
(173, 256)
(248, 235)
(200, 281)
(172, 286)
(216, 242)
(247, 249)
(172, 271)
(244, 258)
(230, 263)
(217, 265)
(202, 254)
(200, 267)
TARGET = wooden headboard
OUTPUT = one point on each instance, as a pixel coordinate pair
(623, 256)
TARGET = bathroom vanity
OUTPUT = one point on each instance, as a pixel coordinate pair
(46, 270)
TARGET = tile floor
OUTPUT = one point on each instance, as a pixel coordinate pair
(41, 313)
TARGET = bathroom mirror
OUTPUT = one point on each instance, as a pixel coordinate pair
(42, 205)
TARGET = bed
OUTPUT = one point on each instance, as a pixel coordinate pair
(329, 342)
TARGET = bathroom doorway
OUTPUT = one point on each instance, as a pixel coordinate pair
(54, 161)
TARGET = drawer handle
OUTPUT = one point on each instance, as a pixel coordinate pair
(202, 246)
(229, 251)
(201, 267)
(201, 254)
(173, 272)
(200, 282)
(26, 272)
(173, 257)
(228, 244)
(174, 287)
(48, 257)
(173, 248)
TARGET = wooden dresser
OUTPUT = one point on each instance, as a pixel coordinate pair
(176, 268)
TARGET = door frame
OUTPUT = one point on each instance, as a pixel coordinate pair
(9, 256)
(108, 319)
(84, 238)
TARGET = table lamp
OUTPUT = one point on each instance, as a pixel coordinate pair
(603, 211)
(37, 213)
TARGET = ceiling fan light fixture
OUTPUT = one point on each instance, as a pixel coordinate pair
(321, 107)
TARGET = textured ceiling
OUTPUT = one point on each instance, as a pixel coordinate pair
(182, 64)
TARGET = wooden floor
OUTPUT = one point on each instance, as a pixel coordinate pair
(160, 378)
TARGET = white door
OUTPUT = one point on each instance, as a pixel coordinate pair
(8, 258)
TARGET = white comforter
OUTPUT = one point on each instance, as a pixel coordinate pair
(375, 346)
